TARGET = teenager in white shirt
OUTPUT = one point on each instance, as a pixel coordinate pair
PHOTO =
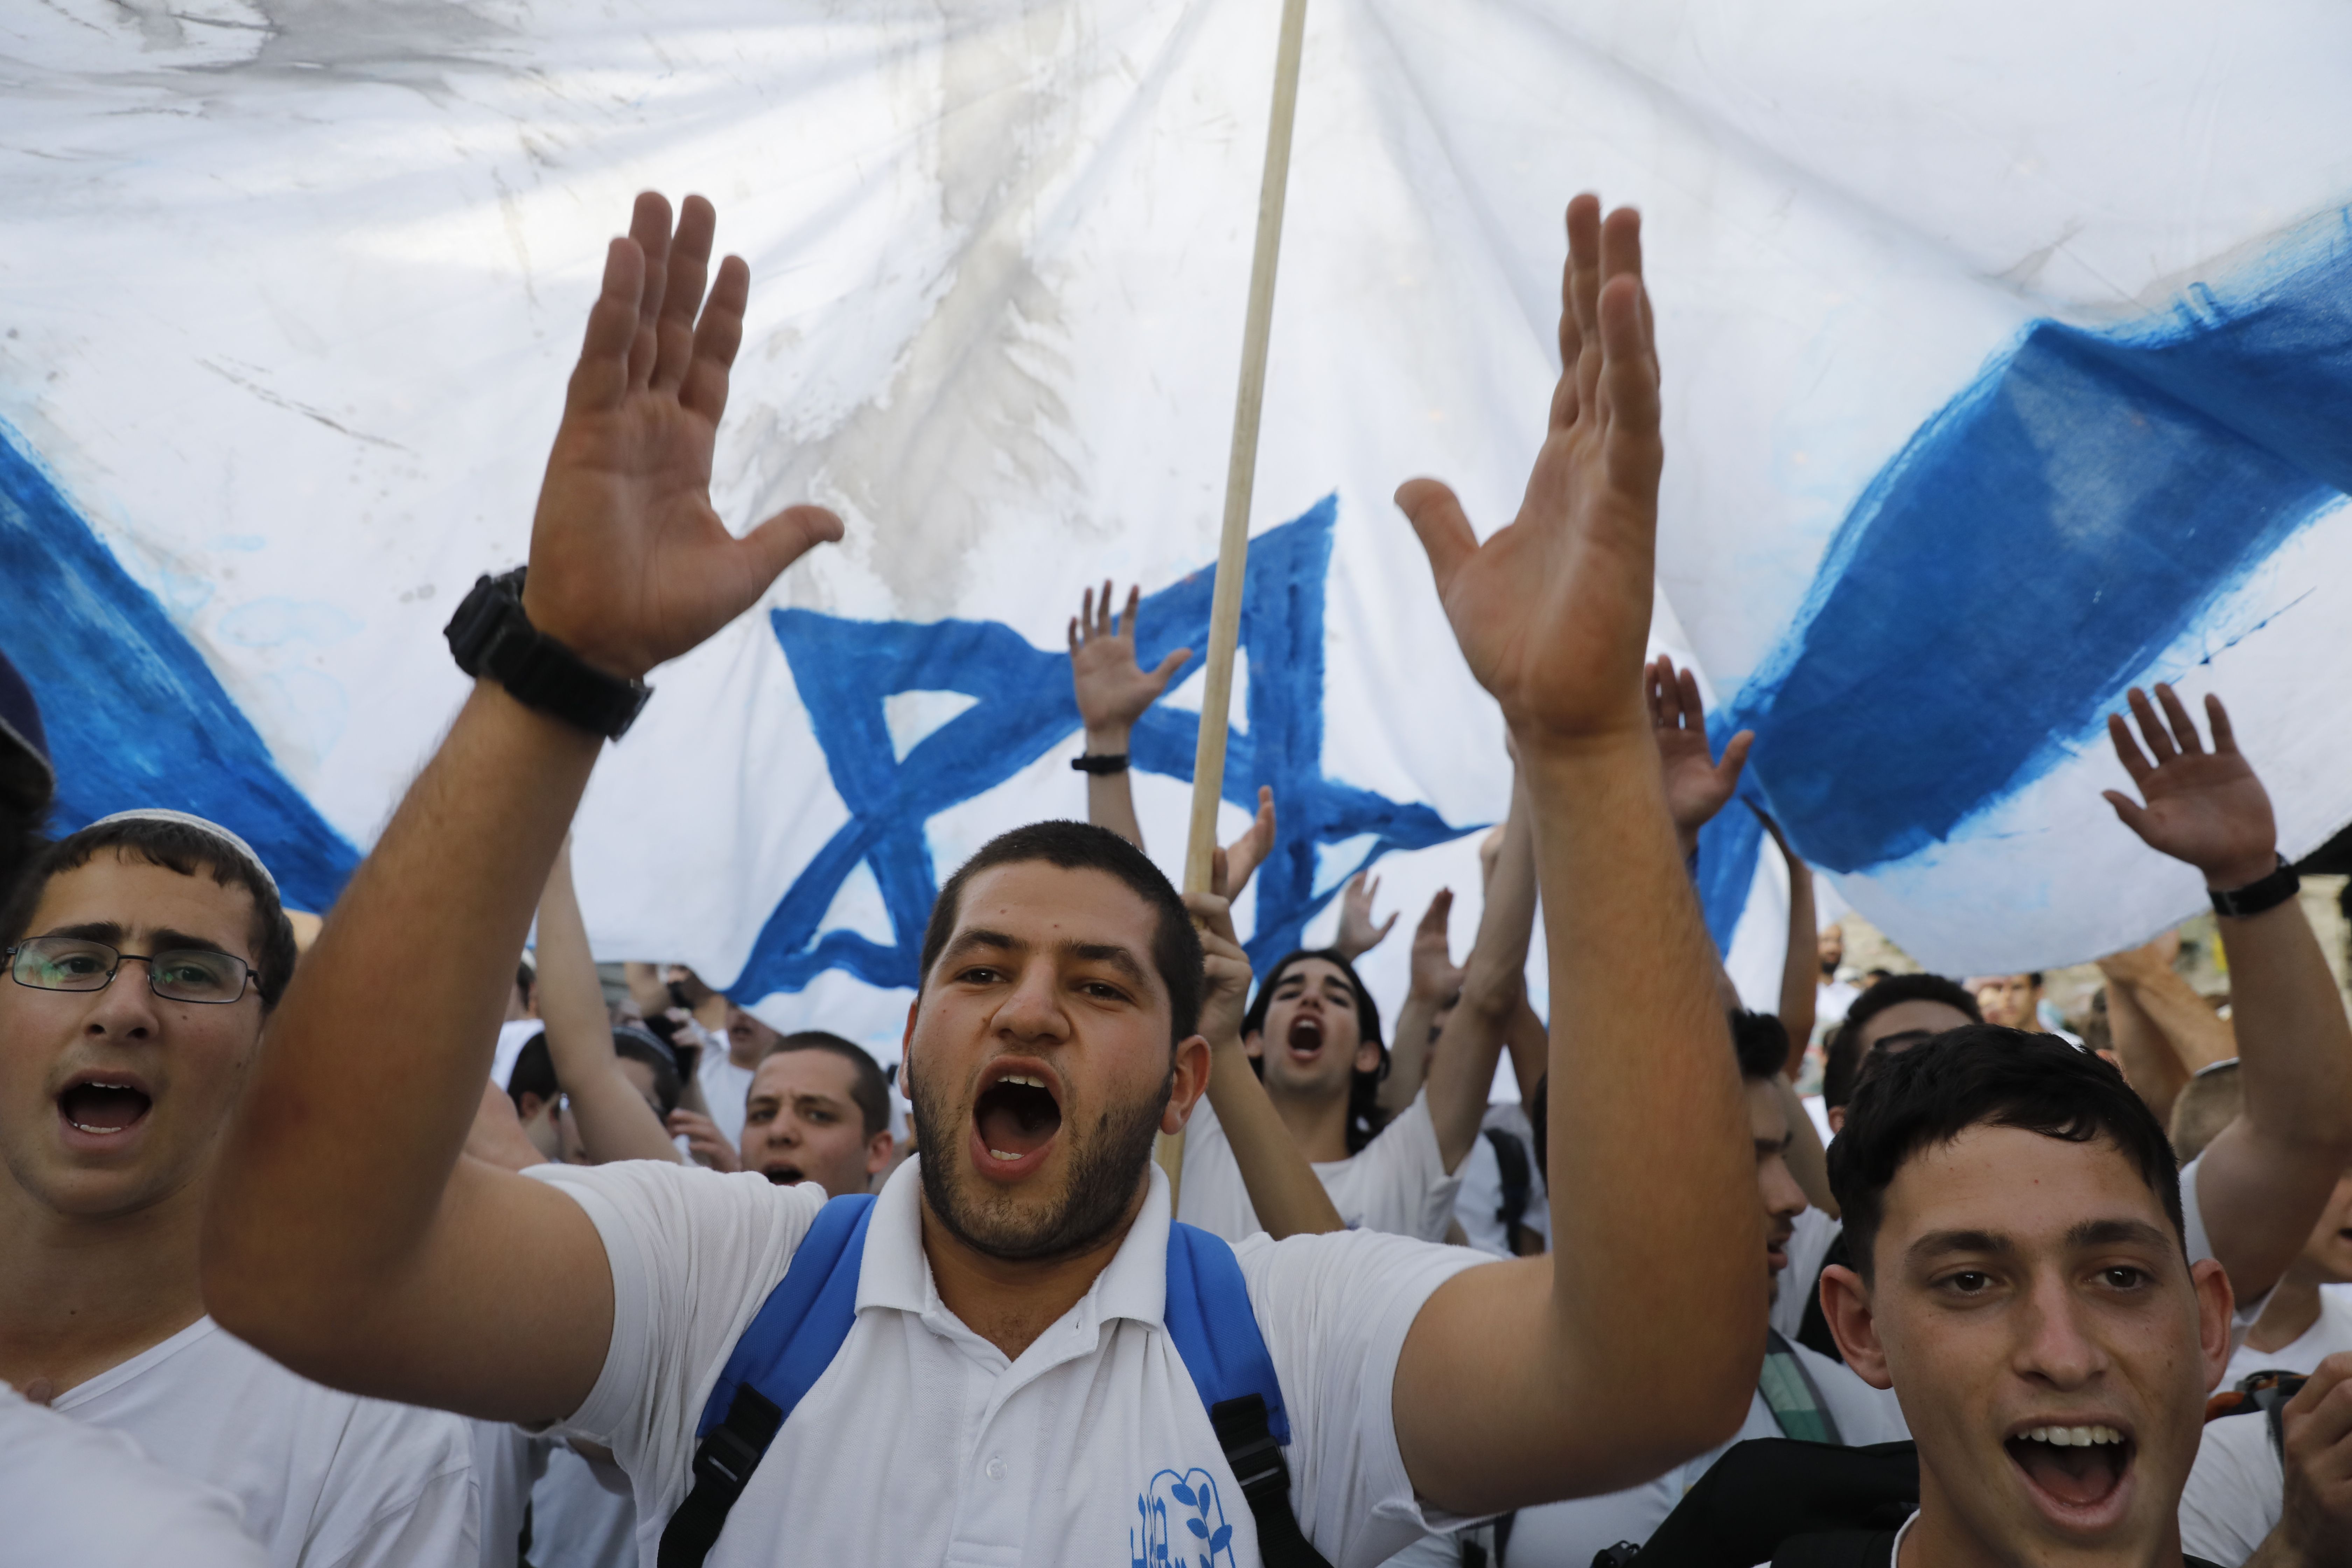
(1009, 1392)
(2022, 1280)
(2309, 1317)
(144, 953)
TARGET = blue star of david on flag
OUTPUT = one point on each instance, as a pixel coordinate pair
(847, 671)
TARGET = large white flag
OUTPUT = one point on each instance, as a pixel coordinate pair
(2008, 353)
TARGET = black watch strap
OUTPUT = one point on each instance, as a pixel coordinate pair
(489, 634)
(2255, 896)
(1101, 763)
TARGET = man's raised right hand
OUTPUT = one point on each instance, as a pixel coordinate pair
(629, 563)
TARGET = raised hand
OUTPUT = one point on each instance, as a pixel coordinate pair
(629, 563)
(2205, 807)
(1432, 969)
(1553, 612)
(1697, 787)
(1225, 966)
(703, 1141)
(1112, 690)
(1239, 860)
(1358, 934)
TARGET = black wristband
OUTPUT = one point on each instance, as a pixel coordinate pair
(489, 634)
(1100, 762)
(2255, 896)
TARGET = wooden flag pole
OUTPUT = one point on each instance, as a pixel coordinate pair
(1241, 475)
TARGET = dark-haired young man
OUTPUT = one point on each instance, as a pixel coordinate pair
(819, 1111)
(2023, 1280)
(144, 953)
(1802, 1394)
(1008, 1390)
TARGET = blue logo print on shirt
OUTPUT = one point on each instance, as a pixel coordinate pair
(1183, 1524)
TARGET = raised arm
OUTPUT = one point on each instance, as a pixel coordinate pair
(1636, 1344)
(2163, 1031)
(1494, 988)
(1113, 692)
(344, 1235)
(1283, 1188)
(615, 1121)
(2264, 1179)
(1435, 983)
(1697, 785)
(1800, 963)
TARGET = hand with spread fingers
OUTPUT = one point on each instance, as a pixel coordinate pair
(1553, 610)
(1244, 855)
(1111, 688)
(1697, 787)
(2206, 807)
(630, 565)
(1358, 933)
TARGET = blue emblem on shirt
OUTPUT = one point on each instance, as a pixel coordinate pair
(1181, 1524)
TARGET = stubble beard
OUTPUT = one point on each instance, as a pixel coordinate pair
(1105, 1168)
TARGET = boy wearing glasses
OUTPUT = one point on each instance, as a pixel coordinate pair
(144, 952)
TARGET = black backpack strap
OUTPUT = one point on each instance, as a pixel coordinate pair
(1518, 1183)
(1837, 1549)
(1245, 1434)
(723, 1463)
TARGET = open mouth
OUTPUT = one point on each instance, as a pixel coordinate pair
(2076, 1468)
(1306, 1041)
(103, 1107)
(1014, 1118)
(785, 1175)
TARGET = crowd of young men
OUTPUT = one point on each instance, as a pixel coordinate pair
(349, 1257)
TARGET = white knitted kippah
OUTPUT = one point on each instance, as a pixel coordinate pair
(243, 850)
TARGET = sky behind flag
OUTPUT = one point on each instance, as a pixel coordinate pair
(2008, 356)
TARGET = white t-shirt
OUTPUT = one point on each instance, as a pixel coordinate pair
(80, 1494)
(922, 1444)
(725, 1087)
(2235, 1491)
(2330, 1332)
(1398, 1184)
(578, 1519)
(507, 1461)
(1481, 1191)
(325, 1479)
(1570, 1534)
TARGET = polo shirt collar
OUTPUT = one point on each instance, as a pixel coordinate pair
(896, 1274)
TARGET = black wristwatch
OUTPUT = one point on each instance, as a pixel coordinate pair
(2255, 896)
(489, 634)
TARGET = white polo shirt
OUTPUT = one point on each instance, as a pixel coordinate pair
(82, 1494)
(921, 1443)
(1398, 1184)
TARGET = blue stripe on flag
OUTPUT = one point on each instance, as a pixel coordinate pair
(2034, 549)
(134, 715)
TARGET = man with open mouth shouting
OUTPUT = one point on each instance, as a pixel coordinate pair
(2022, 1282)
(144, 953)
(999, 1379)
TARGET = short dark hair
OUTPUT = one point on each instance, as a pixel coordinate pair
(181, 846)
(1842, 1059)
(1080, 846)
(533, 1072)
(534, 1067)
(867, 1086)
(1761, 1041)
(642, 1046)
(1982, 1075)
(1365, 1116)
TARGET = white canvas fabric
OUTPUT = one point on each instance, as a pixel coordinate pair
(922, 1444)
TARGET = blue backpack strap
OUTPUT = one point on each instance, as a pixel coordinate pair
(785, 1349)
(1209, 1317)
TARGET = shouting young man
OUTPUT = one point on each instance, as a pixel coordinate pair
(1010, 1389)
(144, 955)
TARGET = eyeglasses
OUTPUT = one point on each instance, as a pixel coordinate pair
(177, 975)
